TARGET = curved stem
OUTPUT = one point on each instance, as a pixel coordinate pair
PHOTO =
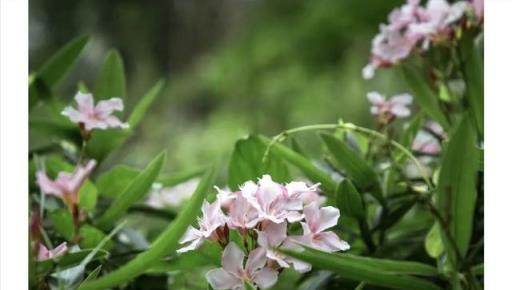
(351, 127)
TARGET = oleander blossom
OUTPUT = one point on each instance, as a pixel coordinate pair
(67, 185)
(95, 117)
(44, 254)
(212, 219)
(318, 220)
(387, 109)
(413, 27)
(233, 274)
(261, 214)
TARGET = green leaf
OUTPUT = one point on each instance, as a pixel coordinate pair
(209, 253)
(93, 275)
(473, 71)
(247, 163)
(378, 272)
(355, 166)
(111, 81)
(433, 242)
(144, 103)
(135, 191)
(180, 177)
(62, 222)
(457, 186)
(310, 171)
(88, 195)
(57, 66)
(165, 244)
(423, 94)
(55, 129)
(90, 237)
(478, 269)
(72, 259)
(349, 201)
(104, 142)
(113, 182)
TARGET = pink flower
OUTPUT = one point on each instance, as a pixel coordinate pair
(95, 117)
(436, 19)
(317, 221)
(242, 215)
(270, 201)
(300, 190)
(233, 275)
(212, 219)
(478, 8)
(396, 106)
(272, 237)
(424, 143)
(389, 47)
(66, 185)
(45, 254)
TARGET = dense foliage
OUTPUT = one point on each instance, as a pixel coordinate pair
(396, 206)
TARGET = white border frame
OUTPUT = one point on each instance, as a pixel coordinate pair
(14, 143)
(14, 146)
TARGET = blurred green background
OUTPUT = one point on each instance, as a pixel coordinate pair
(233, 66)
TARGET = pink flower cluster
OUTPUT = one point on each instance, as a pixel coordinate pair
(263, 212)
(412, 25)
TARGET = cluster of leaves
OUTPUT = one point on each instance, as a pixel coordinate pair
(422, 232)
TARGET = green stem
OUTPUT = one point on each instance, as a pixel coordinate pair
(351, 127)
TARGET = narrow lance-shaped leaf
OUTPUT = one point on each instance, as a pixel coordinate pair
(180, 177)
(111, 80)
(349, 201)
(423, 94)
(166, 243)
(302, 163)
(144, 103)
(355, 166)
(457, 186)
(247, 163)
(113, 182)
(384, 273)
(473, 70)
(133, 192)
(42, 81)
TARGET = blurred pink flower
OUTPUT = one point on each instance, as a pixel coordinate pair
(272, 237)
(66, 185)
(317, 221)
(95, 117)
(172, 197)
(426, 145)
(478, 8)
(212, 219)
(233, 275)
(411, 24)
(270, 201)
(389, 47)
(435, 20)
(396, 106)
(45, 254)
